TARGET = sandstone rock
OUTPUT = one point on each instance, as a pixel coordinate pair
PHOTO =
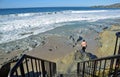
(108, 39)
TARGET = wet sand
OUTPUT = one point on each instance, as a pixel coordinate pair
(55, 47)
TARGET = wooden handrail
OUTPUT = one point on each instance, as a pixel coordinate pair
(98, 67)
(29, 65)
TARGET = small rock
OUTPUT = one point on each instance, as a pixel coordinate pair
(43, 42)
(17, 47)
(50, 49)
(105, 28)
(7, 52)
(72, 38)
(79, 39)
(34, 45)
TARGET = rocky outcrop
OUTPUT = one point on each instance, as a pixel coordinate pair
(116, 5)
(75, 39)
(22, 44)
(107, 41)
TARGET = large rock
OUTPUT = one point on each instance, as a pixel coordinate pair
(107, 40)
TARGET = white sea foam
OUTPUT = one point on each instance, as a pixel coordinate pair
(93, 11)
(11, 26)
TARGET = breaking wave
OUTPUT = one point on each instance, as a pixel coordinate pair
(17, 26)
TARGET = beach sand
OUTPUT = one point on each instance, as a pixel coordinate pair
(54, 47)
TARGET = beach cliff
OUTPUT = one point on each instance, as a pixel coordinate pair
(107, 40)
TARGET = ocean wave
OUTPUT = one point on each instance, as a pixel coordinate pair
(45, 13)
(15, 24)
(93, 11)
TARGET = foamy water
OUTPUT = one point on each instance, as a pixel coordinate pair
(18, 26)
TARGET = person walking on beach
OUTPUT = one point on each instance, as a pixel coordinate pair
(83, 45)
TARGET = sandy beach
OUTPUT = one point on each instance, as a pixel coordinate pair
(54, 47)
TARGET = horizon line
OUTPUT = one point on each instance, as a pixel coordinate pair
(42, 7)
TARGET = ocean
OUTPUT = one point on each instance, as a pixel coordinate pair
(18, 23)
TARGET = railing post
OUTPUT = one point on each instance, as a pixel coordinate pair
(39, 68)
(43, 68)
(22, 70)
(117, 65)
(83, 73)
(78, 69)
(94, 69)
(32, 67)
(104, 68)
(36, 68)
(117, 36)
(27, 66)
(111, 66)
(99, 68)
(54, 67)
(50, 69)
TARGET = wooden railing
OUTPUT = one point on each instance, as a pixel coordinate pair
(102, 67)
(29, 66)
